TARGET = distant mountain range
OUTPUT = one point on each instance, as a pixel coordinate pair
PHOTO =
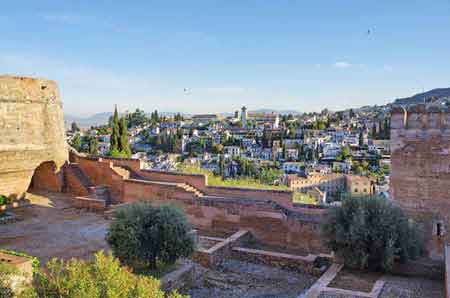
(422, 97)
(85, 122)
(102, 118)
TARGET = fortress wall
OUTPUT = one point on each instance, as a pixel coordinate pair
(32, 131)
(134, 164)
(282, 197)
(100, 173)
(198, 181)
(420, 170)
(268, 222)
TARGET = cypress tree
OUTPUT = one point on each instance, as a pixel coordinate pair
(114, 140)
(124, 147)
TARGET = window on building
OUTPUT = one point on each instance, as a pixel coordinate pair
(438, 229)
(356, 190)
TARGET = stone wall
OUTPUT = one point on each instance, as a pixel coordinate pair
(215, 255)
(267, 220)
(268, 215)
(101, 173)
(32, 132)
(420, 174)
(304, 264)
(447, 271)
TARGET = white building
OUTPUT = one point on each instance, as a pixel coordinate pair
(232, 150)
(293, 167)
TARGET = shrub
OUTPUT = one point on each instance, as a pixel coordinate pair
(141, 235)
(102, 278)
(5, 286)
(3, 200)
(371, 233)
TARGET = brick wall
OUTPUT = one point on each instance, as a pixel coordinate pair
(195, 180)
(268, 215)
(47, 177)
(101, 173)
(420, 170)
(266, 220)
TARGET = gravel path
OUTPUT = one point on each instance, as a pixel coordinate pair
(401, 287)
(236, 279)
(51, 228)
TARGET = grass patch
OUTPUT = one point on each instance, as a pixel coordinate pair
(239, 182)
(302, 198)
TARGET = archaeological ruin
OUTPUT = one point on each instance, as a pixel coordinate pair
(32, 140)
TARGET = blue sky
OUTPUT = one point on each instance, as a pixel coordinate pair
(300, 55)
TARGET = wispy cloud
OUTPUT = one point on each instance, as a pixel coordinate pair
(342, 64)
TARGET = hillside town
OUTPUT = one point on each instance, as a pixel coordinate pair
(322, 156)
(225, 149)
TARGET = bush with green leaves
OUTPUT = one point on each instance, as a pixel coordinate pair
(102, 278)
(3, 200)
(371, 233)
(142, 235)
(5, 282)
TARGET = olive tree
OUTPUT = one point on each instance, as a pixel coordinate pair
(141, 235)
(371, 233)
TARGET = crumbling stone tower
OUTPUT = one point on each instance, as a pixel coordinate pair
(420, 174)
(32, 140)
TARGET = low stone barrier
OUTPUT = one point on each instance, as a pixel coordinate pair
(303, 264)
(180, 278)
(92, 204)
(215, 255)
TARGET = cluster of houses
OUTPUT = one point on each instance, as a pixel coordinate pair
(313, 151)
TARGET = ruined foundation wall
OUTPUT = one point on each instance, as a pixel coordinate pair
(268, 221)
(32, 132)
(420, 174)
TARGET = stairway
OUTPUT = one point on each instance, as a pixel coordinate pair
(78, 173)
(191, 189)
(128, 173)
(102, 193)
(81, 186)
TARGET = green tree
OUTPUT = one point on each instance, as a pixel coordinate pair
(142, 234)
(217, 149)
(361, 139)
(76, 142)
(93, 146)
(115, 134)
(124, 146)
(74, 127)
(371, 233)
(222, 166)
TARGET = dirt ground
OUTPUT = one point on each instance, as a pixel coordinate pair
(354, 280)
(50, 228)
(237, 279)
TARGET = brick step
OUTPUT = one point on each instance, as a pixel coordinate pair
(77, 172)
